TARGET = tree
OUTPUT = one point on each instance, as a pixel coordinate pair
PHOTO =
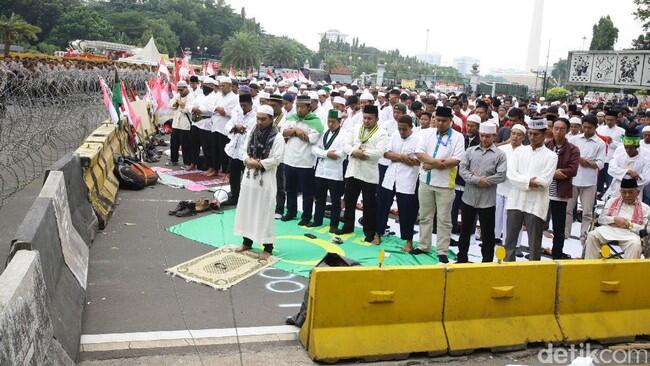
(561, 71)
(333, 63)
(44, 14)
(604, 35)
(642, 13)
(80, 23)
(556, 93)
(242, 50)
(280, 52)
(166, 40)
(642, 42)
(14, 28)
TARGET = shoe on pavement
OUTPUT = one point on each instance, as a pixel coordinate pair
(315, 224)
(303, 222)
(443, 259)
(417, 251)
(278, 216)
(286, 218)
(181, 205)
(344, 231)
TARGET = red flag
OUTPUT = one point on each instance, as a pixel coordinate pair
(177, 69)
(126, 108)
(210, 69)
(231, 72)
(204, 72)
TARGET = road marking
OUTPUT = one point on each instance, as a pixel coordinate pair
(289, 305)
(187, 334)
(298, 286)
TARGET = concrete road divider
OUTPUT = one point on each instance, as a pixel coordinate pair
(26, 331)
(97, 155)
(601, 300)
(82, 215)
(75, 250)
(372, 313)
(500, 306)
(66, 298)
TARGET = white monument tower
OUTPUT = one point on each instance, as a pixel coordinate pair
(535, 39)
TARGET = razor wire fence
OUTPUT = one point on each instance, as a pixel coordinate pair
(46, 111)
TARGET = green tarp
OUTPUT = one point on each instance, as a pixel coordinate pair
(298, 254)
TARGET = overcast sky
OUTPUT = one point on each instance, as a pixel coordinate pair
(495, 32)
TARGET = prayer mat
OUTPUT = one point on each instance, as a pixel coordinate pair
(197, 176)
(221, 268)
(297, 253)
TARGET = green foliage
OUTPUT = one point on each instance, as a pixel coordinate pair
(166, 40)
(359, 58)
(14, 28)
(47, 48)
(242, 50)
(642, 12)
(604, 35)
(561, 71)
(556, 93)
(282, 51)
(80, 23)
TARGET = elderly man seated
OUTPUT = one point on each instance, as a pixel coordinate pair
(622, 220)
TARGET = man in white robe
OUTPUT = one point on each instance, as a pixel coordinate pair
(530, 172)
(628, 161)
(254, 215)
(622, 220)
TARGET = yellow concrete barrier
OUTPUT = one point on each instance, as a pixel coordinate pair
(603, 300)
(500, 306)
(97, 154)
(372, 313)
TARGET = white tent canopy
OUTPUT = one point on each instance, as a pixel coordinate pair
(148, 55)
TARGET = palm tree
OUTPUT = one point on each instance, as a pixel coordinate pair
(281, 52)
(15, 28)
(241, 50)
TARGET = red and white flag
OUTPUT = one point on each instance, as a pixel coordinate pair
(162, 67)
(108, 100)
(127, 110)
(210, 69)
(231, 72)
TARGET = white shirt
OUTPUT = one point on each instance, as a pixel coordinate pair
(615, 134)
(181, 119)
(504, 188)
(332, 168)
(236, 148)
(644, 149)
(206, 104)
(321, 113)
(619, 165)
(386, 113)
(297, 153)
(390, 126)
(354, 120)
(448, 148)
(525, 164)
(399, 175)
(374, 148)
(592, 148)
(228, 102)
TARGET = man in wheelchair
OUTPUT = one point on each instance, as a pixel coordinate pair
(623, 220)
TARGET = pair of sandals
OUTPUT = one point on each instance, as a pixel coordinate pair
(191, 208)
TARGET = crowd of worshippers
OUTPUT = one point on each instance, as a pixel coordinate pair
(507, 163)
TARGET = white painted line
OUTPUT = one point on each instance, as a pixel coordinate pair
(186, 334)
(289, 305)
